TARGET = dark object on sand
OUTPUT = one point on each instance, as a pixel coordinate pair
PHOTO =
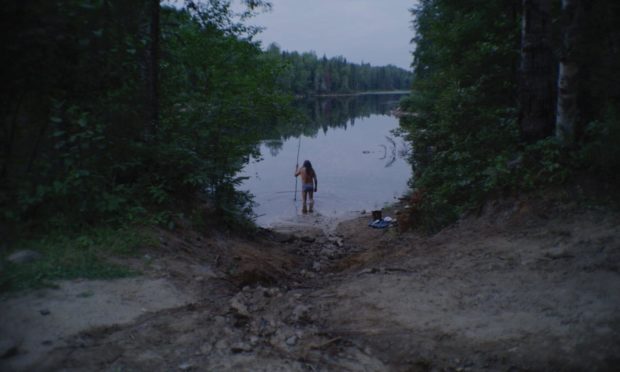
(376, 215)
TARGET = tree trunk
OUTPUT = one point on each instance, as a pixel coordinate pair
(537, 83)
(567, 110)
(153, 72)
(10, 123)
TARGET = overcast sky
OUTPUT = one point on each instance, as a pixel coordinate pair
(373, 31)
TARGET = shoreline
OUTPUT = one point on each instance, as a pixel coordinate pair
(354, 94)
(301, 224)
(328, 225)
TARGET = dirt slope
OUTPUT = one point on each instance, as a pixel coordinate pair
(524, 286)
(513, 290)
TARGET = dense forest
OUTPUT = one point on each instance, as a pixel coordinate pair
(129, 110)
(512, 96)
(306, 74)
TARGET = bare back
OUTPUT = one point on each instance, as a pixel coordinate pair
(307, 175)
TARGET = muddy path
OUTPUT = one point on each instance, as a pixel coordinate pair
(522, 287)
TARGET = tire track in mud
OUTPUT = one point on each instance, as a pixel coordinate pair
(255, 313)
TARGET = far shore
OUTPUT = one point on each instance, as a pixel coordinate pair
(356, 93)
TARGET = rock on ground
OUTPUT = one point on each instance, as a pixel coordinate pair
(24, 256)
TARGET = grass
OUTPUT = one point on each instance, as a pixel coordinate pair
(71, 257)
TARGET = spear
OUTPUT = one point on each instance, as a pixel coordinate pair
(297, 165)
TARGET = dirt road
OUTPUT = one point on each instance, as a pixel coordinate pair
(524, 286)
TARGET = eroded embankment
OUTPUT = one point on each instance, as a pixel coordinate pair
(525, 286)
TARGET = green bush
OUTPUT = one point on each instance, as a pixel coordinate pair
(601, 152)
(84, 255)
(464, 128)
(82, 146)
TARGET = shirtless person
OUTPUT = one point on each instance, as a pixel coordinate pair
(309, 183)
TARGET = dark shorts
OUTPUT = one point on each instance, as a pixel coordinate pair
(307, 187)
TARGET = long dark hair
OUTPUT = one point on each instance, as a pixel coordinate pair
(309, 168)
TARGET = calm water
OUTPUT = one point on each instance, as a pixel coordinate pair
(359, 163)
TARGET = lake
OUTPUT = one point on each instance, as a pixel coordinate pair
(360, 164)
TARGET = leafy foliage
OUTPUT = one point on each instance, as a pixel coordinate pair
(79, 146)
(74, 256)
(464, 128)
(465, 109)
(601, 152)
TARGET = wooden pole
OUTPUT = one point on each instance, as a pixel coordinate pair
(296, 167)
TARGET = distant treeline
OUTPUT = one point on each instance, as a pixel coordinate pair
(315, 114)
(307, 74)
(318, 114)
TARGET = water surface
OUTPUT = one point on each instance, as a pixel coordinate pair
(360, 164)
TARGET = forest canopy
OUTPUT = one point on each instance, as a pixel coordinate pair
(511, 96)
(125, 110)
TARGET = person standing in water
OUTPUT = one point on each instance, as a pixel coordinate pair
(309, 183)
